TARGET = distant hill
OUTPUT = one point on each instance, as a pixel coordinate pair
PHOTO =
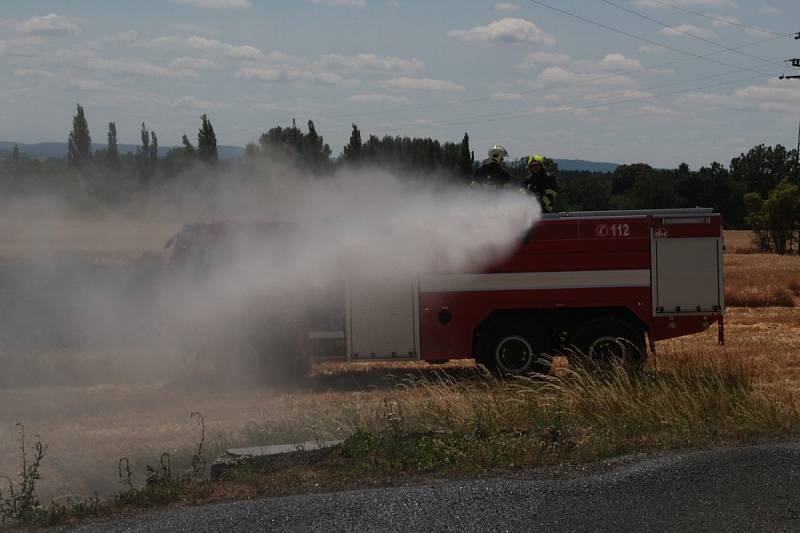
(58, 150)
(580, 164)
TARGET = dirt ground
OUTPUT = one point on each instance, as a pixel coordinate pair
(92, 409)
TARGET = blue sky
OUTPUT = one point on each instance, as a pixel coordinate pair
(513, 73)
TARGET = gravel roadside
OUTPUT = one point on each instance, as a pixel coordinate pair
(753, 488)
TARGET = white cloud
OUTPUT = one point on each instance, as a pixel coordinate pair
(340, 3)
(197, 63)
(193, 28)
(652, 49)
(561, 75)
(505, 6)
(369, 62)
(265, 103)
(22, 46)
(706, 100)
(195, 103)
(283, 73)
(137, 68)
(775, 96)
(619, 62)
(423, 84)
(683, 29)
(551, 98)
(771, 11)
(630, 94)
(84, 84)
(717, 4)
(508, 97)
(50, 24)
(655, 111)
(91, 61)
(206, 45)
(509, 31)
(378, 99)
(535, 59)
(215, 4)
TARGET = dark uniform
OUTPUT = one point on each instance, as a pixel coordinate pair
(492, 173)
(544, 187)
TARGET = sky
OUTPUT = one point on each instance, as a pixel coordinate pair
(658, 81)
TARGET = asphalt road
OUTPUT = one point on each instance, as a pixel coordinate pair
(755, 488)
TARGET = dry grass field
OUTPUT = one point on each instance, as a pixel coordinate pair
(699, 393)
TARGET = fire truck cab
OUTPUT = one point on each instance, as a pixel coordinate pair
(591, 283)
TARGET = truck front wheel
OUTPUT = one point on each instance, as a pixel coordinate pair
(514, 348)
(606, 340)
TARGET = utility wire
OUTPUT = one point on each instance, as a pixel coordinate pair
(467, 120)
(510, 114)
(690, 34)
(643, 39)
(720, 19)
(607, 75)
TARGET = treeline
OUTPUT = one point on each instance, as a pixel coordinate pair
(758, 189)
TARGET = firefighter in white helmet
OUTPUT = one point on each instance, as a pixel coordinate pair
(492, 172)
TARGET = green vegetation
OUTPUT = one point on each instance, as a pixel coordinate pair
(758, 190)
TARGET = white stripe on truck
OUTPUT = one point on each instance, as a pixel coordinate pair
(587, 279)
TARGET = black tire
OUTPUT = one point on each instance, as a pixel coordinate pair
(605, 340)
(515, 348)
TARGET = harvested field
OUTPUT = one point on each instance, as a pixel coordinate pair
(739, 242)
(762, 280)
(102, 411)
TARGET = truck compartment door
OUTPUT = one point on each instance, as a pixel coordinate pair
(687, 275)
(382, 320)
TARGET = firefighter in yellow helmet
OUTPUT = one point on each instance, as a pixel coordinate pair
(541, 184)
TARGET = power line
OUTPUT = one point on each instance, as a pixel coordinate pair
(608, 75)
(583, 100)
(640, 38)
(689, 34)
(505, 116)
(720, 19)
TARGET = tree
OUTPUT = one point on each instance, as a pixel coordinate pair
(187, 145)
(80, 142)
(653, 189)
(153, 148)
(207, 141)
(466, 159)
(352, 152)
(776, 221)
(144, 150)
(763, 167)
(112, 151)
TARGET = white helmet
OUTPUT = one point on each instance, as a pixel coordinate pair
(497, 153)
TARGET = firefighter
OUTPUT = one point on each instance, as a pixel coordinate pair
(541, 184)
(491, 172)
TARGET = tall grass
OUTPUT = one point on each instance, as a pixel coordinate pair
(469, 426)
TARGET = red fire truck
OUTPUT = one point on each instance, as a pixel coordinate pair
(604, 284)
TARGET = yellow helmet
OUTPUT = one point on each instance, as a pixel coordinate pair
(536, 159)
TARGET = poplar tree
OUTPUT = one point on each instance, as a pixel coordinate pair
(80, 142)
(112, 151)
(207, 141)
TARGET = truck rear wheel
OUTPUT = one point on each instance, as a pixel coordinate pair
(514, 348)
(606, 340)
